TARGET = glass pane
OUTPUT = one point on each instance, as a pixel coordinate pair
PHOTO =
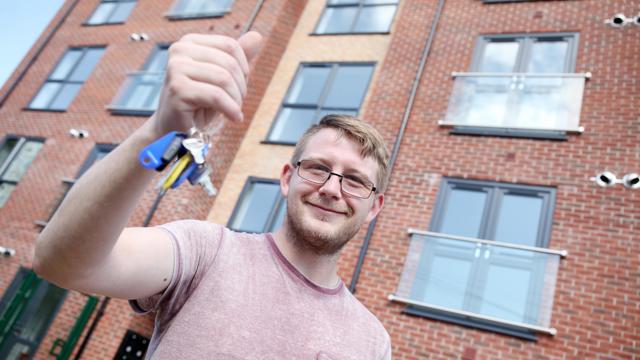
(325, 112)
(215, 6)
(343, 2)
(86, 64)
(5, 191)
(19, 351)
(65, 65)
(101, 14)
(138, 97)
(46, 93)
(519, 219)
(65, 96)
(308, 85)
(499, 57)
(463, 213)
(37, 323)
(349, 87)
(7, 148)
(279, 218)
(291, 124)
(337, 20)
(158, 63)
(375, 18)
(448, 280)
(122, 12)
(380, 1)
(21, 162)
(548, 57)
(256, 207)
(505, 294)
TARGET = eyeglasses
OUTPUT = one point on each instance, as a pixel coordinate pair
(317, 173)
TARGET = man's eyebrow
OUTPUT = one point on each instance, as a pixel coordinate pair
(349, 171)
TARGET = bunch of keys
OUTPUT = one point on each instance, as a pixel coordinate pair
(186, 155)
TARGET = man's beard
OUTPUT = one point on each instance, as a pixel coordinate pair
(320, 243)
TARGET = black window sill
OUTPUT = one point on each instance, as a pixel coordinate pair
(350, 33)
(509, 133)
(45, 110)
(130, 112)
(102, 24)
(177, 17)
(276, 142)
(471, 323)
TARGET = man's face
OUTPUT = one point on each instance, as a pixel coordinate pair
(321, 217)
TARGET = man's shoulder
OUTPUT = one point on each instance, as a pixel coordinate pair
(364, 317)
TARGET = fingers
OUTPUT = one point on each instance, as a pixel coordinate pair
(223, 43)
(251, 43)
(200, 95)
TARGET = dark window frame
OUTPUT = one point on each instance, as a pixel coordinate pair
(496, 189)
(66, 80)
(173, 15)
(334, 66)
(136, 112)
(524, 54)
(360, 5)
(280, 202)
(21, 140)
(108, 21)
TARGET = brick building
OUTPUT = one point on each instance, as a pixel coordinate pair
(495, 243)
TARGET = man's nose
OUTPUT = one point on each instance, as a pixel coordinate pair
(332, 186)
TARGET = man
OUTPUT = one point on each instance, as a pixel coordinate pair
(218, 294)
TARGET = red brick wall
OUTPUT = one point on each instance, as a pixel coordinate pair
(596, 309)
(62, 156)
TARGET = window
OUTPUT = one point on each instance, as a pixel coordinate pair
(185, 9)
(67, 78)
(140, 93)
(16, 154)
(318, 90)
(112, 12)
(261, 207)
(520, 82)
(357, 16)
(506, 280)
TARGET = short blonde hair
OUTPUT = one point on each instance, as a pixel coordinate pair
(371, 142)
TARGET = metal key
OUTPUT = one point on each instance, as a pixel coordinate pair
(196, 147)
(202, 176)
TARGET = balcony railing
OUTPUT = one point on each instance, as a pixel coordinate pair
(517, 101)
(139, 94)
(500, 283)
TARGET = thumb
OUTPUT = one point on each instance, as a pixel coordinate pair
(251, 43)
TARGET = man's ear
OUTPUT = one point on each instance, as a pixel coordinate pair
(378, 201)
(285, 178)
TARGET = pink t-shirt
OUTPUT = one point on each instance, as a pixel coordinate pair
(235, 296)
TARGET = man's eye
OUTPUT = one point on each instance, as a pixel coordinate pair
(355, 180)
(318, 167)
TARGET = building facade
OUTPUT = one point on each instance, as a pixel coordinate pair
(503, 118)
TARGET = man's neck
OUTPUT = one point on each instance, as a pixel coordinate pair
(319, 269)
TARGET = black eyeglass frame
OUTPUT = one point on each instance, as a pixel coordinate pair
(341, 176)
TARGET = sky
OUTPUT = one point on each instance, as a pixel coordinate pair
(21, 23)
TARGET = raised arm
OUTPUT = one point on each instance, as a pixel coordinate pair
(85, 246)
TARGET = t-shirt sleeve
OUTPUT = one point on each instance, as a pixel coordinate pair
(195, 245)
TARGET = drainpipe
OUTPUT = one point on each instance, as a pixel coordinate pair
(150, 214)
(399, 137)
(33, 59)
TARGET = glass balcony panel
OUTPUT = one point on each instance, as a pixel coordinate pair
(375, 19)
(292, 123)
(493, 280)
(520, 101)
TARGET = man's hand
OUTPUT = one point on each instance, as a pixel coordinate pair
(206, 75)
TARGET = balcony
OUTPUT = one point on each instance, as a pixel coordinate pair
(139, 94)
(524, 102)
(486, 281)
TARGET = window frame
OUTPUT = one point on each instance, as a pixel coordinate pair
(279, 203)
(495, 190)
(66, 80)
(524, 54)
(334, 66)
(118, 109)
(109, 22)
(360, 5)
(21, 140)
(174, 16)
